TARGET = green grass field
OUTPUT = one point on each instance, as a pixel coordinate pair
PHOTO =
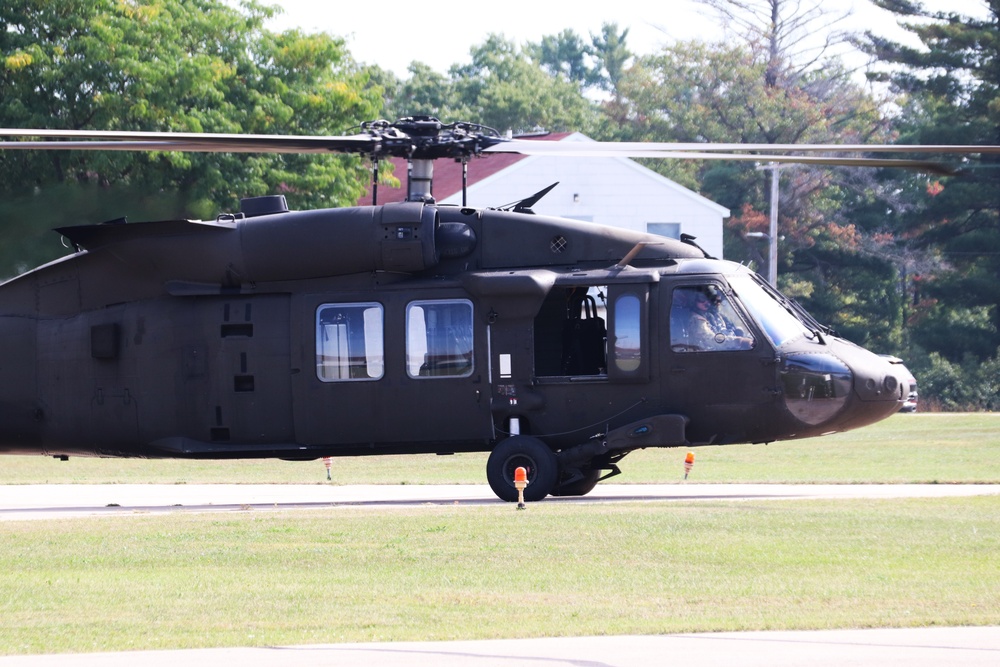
(258, 578)
(439, 573)
(943, 448)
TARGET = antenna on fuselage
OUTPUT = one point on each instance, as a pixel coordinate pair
(636, 249)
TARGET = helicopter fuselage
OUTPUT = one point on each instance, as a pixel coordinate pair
(412, 328)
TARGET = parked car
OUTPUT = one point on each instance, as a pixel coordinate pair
(910, 404)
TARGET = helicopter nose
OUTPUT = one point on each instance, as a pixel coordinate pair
(816, 387)
(842, 388)
(887, 385)
(877, 380)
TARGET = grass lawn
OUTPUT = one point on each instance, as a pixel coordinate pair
(435, 573)
(439, 573)
(944, 448)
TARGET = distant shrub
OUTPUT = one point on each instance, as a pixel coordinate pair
(971, 385)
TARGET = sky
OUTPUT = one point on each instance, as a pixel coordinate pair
(393, 33)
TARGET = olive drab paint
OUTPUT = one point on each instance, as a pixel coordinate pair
(557, 345)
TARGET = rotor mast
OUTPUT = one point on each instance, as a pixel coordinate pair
(420, 180)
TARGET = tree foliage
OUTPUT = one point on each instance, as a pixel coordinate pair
(950, 87)
(565, 54)
(501, 86)
(701, 92)
(177, 65)
(965, 385)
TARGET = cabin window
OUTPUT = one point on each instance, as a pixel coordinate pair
(439, 338)
(349, 342)
(703, 319)
(570, 332)
(628, 333)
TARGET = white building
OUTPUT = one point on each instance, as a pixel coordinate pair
(606, 190)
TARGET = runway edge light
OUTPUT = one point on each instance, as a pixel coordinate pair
(520, 481)
(688, 464)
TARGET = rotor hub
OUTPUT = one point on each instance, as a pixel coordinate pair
(427, 138)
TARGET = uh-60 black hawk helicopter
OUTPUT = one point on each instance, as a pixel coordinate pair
(412, 327)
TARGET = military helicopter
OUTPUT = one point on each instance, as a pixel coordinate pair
(413, 327)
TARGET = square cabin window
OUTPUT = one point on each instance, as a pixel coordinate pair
(439, 338)
(349, 342)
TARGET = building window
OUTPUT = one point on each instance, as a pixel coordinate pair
(439, 338)
(349, 342)
(672, 230)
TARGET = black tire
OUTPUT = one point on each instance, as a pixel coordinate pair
(579, 487)
(529, 453)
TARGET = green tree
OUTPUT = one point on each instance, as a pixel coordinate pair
(565, 54)
(503, 88)
(950, 85)
(763, 88)
(427, 93)
(177, 65)
(595, 66)
(612, 55)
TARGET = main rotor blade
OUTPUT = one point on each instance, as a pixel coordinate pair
(659, 149)
(95, 140)
(391, 141)
(184, 146)
(916, 165)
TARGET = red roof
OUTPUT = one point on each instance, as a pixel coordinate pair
(448, 174)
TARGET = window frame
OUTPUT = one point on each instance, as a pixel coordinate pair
(410, 350)
(682, 344)
(373, 358)
(617, 370)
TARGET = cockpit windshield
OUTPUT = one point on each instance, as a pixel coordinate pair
(780, 320)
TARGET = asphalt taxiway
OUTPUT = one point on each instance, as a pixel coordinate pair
(47, 501)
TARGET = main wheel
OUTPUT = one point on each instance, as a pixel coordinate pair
(579, 487)
(522, 451)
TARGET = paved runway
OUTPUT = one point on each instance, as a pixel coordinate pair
(19, 502)
(910, 647)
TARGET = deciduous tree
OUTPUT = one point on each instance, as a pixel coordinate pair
(177, 65)
(760, 88)
(167, 65)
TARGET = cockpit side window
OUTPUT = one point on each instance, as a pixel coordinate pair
(777, 321)
(703, 319)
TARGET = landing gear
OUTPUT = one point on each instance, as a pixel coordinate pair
(580, 486)
(522, 451)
